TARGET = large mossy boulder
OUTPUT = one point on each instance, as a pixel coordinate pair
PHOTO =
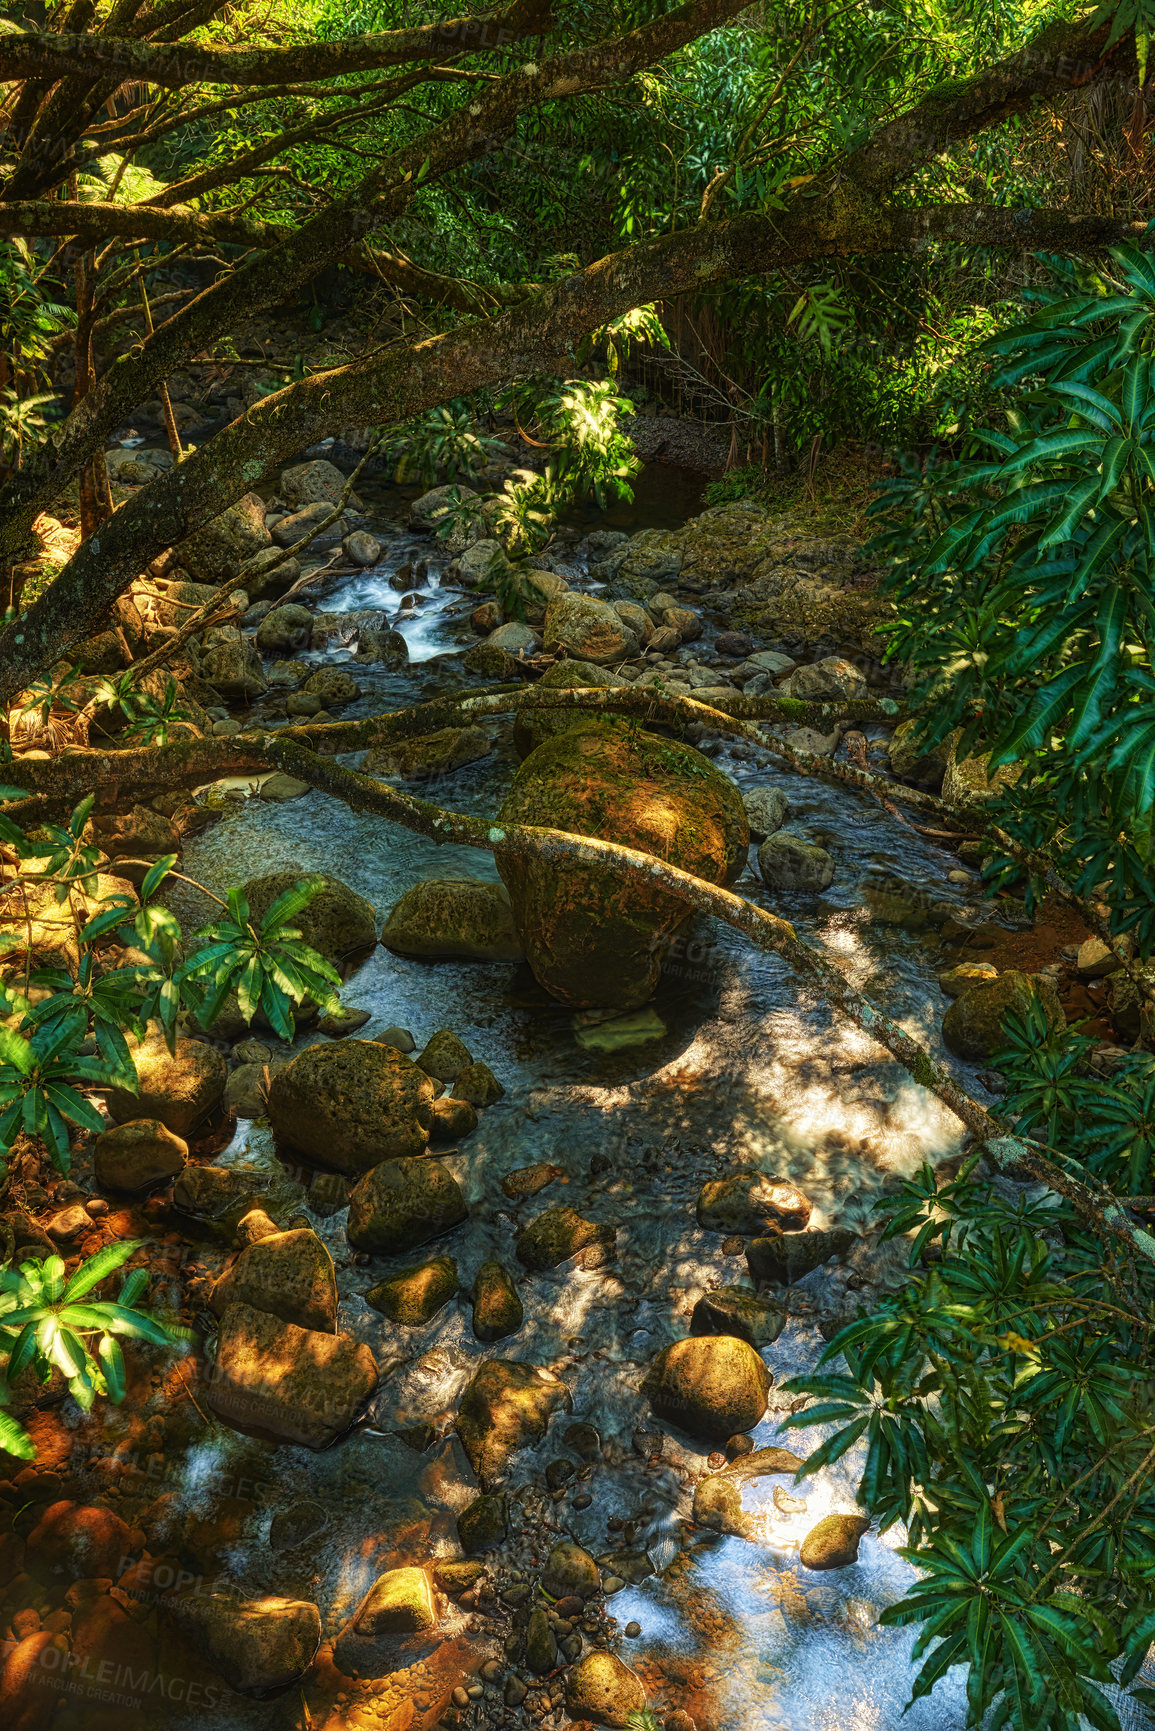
(351, 1104)
(178, 1089)
(216, 552)
(594, 939)
(713, 1386)
(289, 1274)
(532, 727)
(259, 1646)
(297, 1384)
(973, 1027)
(582, 626)
(338, 923)
(454, 919)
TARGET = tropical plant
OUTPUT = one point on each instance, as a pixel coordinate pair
(48, 1322)
(1000, 1400)
(1025, 586)
(444, 442)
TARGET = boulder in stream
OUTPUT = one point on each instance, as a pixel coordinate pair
(581, 625)
(351, 1104)
(781, 1258)
(216, 552)
(570, 1572)
(497, 1309)
(766, 809)
(413, 1296)
(560, 1234)
(258, 1645)
(296, 1384)
(736, 1310)
(973, 1025)
(532, 727)
(602, 1687)
(592, 938)
(833, 1543)
(289, 1274)
(709, 1385)
(749, 1202)
(827, 680)
(178, 1088)
(786, 862)
(136, 1155)
(400, 1602)
(454, 919)
(507, 1407)
(401, 1204)
(338, 923)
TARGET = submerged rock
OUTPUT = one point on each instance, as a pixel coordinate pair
(506, 1407)
(413, 1296)
(401, 1204)
(709, 1385)
(136, 1155)
(352, 1104)
(289, 1274)
(718, 1497)
(429, 755)
(484, 1524)
(784, 1257)
(751, 1202)
(497, 1309)
(562, 1233)
(738, 1311)
(973, 1027)
(258, 1645)
(454, 919)
(786, 862)
(594, 939)
(833, 1543)
(298, 1384)
(178, 1088)
(570, 1572)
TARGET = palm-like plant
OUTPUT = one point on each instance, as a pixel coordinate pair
(49, 1323)
(268, 966)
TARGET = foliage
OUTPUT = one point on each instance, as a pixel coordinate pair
(48, 1323)
(444, 442)
(1025, 582)
(1000, 1398)
(148, 720)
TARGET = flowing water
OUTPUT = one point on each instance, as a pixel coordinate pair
(745, 1067)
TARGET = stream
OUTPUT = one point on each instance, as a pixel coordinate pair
(735, 1064)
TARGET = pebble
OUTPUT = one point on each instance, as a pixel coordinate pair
(515, 1691)
(97, 1207)
(612, 1584)
(583, 1502)
(569, 1607)
(491, 1670)
(460, 1697)
(399, 1038)
(633, 1630)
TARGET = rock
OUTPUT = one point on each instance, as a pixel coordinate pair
(540, 1646)
(718, 1498)
(444, 1056)
(413, 1296)
(68, 1223)
(766, 810)
(401, 1204)
(784, 1257)
(910, 762)
(289, 1274)
(481, 564)
(561, 1233)
(532, 727)
(453, 1119)
(427, 511)
(969, 781)
(828, 680)
(279, 788)
(486, 618)
(506, 1407)
(351, 1104)
(457, 1578)
(333, 686)
(299, 525)
(300, 704)
(216, 552)
(973, 1025)
(295, 1383)
(245, 1091)
(27, 1664)
(582, 626)
(602, 1687)
(709, 1385)
(749, 1202)
(590, 939)
(818, 744)
(570, 1572)
(362, 548)
(430, 755)
(477, 1084)
(389, 647)
(177, 1088)
(1096, 960)
(70, 1541)
(231, 664)
(733, 643)
(399, 1037)
(771, 661)
(786, 862)
(257, 1645)
(529, 1180)
(497, 1309)
(400, 1602)
(516, 638)
(735, 1310)
(285, 628)
(316, 482)
(454, 919)
(210, 1192)
(269, 573)
(833, 1543)
(684, 621)
(138, 1154)
(487, 661)
(959, 979)
(342, 1021)
(338, 923)
(483, 1525)
(635, 619)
